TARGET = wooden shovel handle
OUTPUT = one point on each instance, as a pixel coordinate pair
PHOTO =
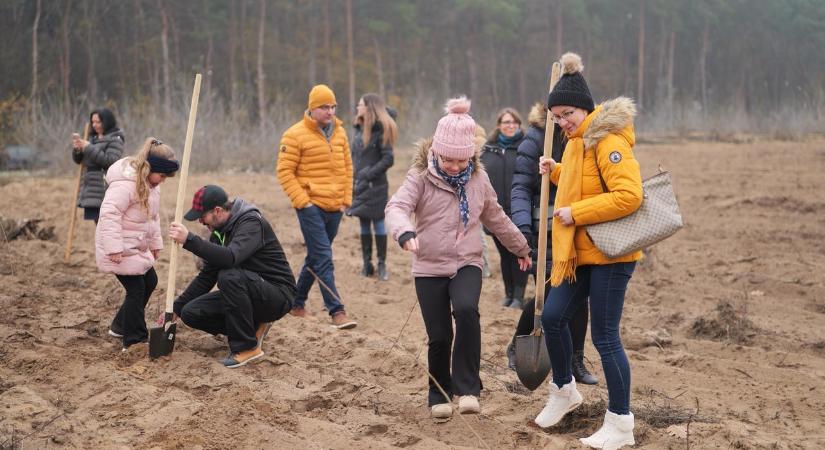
(184, 171)
(73, 209)
(541, 263)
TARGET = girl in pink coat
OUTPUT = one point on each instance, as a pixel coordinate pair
(451, 197)
(128, 239)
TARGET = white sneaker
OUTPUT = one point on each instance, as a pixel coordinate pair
(616, 432)
(559, 402)
(442, 411)
(468, 404)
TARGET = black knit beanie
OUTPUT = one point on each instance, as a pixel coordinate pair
(571, 89)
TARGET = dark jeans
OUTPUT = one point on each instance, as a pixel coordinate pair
(606, 285)
(377, 225)
(242, 302)
(577, 325)
(436, 296)
(514, 278)
(130, 319)
(319, 228)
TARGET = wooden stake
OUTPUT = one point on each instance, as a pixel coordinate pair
(73, 211)
(541, 263)
(179, 202)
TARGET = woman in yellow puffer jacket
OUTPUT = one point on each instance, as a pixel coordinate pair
(598, 180)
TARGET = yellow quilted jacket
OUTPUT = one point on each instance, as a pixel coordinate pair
(314, 170)
(607, 134)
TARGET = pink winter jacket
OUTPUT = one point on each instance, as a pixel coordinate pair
(444, 244)
(124, 227)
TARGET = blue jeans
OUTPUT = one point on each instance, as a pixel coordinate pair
(606, 285)
(377, 224)
(319, 228)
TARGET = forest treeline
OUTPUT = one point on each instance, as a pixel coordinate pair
(703, 65)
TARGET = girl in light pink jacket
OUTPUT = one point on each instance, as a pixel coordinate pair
(127, 238)
(451, 197)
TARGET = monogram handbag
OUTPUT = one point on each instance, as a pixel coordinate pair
(656, 219)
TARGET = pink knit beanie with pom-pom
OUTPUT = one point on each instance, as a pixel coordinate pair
(455, 134)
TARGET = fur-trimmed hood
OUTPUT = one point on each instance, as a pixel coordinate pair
(612, 117)
(538, 116)
(421, 161)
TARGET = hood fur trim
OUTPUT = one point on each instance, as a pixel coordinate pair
(614, 116)
(538, 116)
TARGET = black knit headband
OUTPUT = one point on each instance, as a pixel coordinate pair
(162, 165)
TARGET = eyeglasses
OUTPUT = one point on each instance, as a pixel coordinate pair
(509, 122)
(564, 116)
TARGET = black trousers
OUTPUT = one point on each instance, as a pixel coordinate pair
(578, 325)
(130, 319)
(515, 280)
(443, 299)
(242, 302)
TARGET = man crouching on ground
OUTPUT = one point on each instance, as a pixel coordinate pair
(243, 256)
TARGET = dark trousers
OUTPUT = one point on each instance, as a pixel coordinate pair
(514, 278)
(443, 299)
(242, 302)
(577, 325)
(130, 319)
(606, 285)
(319, 228)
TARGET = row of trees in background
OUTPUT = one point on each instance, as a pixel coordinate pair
(687, 64)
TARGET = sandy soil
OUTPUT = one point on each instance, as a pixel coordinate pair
(723, 324)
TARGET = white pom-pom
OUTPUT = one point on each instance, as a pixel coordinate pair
(460, 105)
(571, 63)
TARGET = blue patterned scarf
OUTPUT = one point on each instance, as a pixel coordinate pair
(457, 182)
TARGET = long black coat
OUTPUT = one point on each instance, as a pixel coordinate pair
(500, 163)
(371, 162)
(101, 153)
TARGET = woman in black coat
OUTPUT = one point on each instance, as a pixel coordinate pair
(98, 153)
(499, 158)
(375, 134)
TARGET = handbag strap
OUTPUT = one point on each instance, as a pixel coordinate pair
(596, 157)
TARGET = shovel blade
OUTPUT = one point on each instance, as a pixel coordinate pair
(532, 360)
(162, 340)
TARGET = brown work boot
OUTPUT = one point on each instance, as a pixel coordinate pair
(342, 322)
(241, 358)
(261, 332)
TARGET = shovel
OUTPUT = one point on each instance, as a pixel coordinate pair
(162, 338)
(532, 359)
(73, 217)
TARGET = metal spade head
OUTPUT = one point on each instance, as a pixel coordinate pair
(532, 360)
(162, 338)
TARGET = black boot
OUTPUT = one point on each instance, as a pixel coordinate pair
(381, 249)
(580, 372)
(511, 354)
(366, 252)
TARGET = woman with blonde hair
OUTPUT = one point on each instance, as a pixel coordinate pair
(372, 154)
(128, 238)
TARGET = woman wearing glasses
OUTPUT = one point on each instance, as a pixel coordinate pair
(499, 158)
(599, 152)
(451, 197)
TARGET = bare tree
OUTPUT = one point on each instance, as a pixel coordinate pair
(379, 67)
(559, 28)
(260, 65)
(164, 45)
(350, 58)
(703, 57)
(640, 77)
(35, 27)
(232, 45)
(65, 52)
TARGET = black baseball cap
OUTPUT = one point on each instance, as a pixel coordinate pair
(204, 200)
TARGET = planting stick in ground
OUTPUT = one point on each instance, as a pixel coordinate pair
(162, 338)
(73, 210)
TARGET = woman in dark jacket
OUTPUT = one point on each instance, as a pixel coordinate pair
(499, 158)
(98, 153)
(375, 134)
(525, 198)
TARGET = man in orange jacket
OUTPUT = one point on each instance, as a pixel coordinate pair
(315, 171)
